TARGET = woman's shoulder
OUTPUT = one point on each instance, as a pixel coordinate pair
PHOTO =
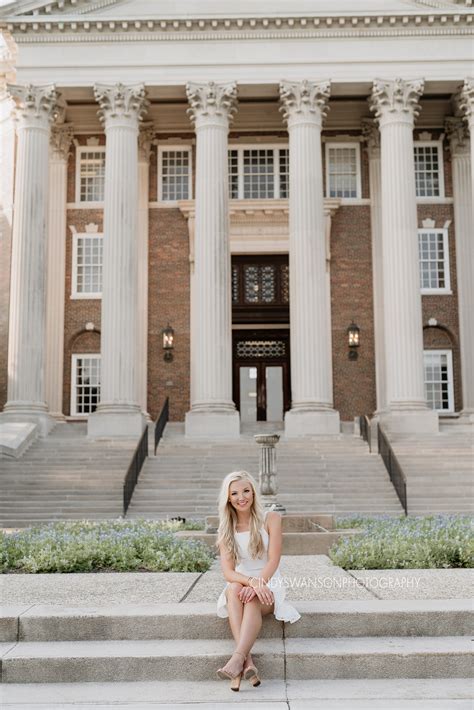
(270, 518)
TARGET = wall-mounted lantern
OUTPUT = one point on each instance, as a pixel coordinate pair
(168, 343)
(353, 336)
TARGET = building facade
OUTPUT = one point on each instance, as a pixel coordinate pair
(260, 215)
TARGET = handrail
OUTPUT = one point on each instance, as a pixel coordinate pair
(393, 467)
(131, 477)
(365, 430)
(161, 422)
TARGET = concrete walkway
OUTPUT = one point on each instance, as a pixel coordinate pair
(308, 578)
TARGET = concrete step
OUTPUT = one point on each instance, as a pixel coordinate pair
(327, 619)
(273, 694)
(299, 658)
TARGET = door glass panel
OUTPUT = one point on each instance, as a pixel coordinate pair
(274, 383)
(248, 394)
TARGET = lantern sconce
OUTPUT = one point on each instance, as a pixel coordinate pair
(168, 343)
(353, 336)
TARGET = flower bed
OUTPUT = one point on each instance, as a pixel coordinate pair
(119, 545)
(428, 542)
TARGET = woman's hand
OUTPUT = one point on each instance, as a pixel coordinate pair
(246, 594)
(264, 593)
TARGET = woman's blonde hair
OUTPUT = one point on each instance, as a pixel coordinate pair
(228, 518)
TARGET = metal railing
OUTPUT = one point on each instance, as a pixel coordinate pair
(161, 422)
(365, 430)
(393, 467)
(131, 478)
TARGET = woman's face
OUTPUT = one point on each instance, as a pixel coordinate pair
(241, 495)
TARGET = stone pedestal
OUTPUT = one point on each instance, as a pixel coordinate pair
(213, 412)
(396, 105)
(26, 348)
(61, 138)
(118, 412)
(304, 105)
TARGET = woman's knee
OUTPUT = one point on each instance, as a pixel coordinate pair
(234, 589)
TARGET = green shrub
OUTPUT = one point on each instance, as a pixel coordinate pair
(435, 541)
(87, 546)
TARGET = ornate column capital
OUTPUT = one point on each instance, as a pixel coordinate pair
(371, 137)
(211, 102)
(458, 136)
(304, 101)
(121, 105)
(61, 139)
(465, 101)
(396, 100)
(146, 136)
(36, 106)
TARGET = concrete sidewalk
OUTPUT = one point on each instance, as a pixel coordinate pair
(307, 578)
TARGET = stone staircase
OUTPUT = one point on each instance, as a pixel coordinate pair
(334, 474)
(64, 476)
(346, 639)
(439, 469)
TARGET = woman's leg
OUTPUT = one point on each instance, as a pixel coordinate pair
(249, 629)
(235, 609)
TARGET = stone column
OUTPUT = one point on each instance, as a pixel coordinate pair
(61, 138)
(119, 413)
(463, 219)
(304, 105)
(213, 412)
(372, 138)
(145, 138)
(26, 351)
(396, 106)
(466, 106)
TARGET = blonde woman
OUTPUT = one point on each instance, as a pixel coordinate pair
(249, 541)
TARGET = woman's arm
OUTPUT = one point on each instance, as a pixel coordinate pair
(230, 575)
(274, 547)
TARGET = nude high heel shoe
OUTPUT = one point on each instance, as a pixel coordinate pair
(235, 683)
(225, 675)
(251, 674)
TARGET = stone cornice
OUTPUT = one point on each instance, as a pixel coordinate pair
(87, 28)
(257, 211)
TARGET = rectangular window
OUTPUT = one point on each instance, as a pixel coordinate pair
(85, 379)
(87, 266)
(174, 168)
(439, 380)
(258, 173)
(428, 169)
(434, 261)
(343, 170)
(90, 174)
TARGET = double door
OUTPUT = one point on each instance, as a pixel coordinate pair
(261, 376)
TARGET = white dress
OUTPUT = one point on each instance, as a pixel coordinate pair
(283, 610)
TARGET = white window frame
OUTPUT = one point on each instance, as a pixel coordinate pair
(344, 144)
(74, 358)
(79, 152)
(445, 290)
(449, 362)
(276, 147)
(74, 292)
(439, 145)
(168, 148)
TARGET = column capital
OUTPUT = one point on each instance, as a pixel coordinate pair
(458, 135)
(36, 106)
(146, 136)
(211, 103)
(371, 137)
(397, 100)
(304, 101)
(61, 139)
(465, 101)
(121, 105)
